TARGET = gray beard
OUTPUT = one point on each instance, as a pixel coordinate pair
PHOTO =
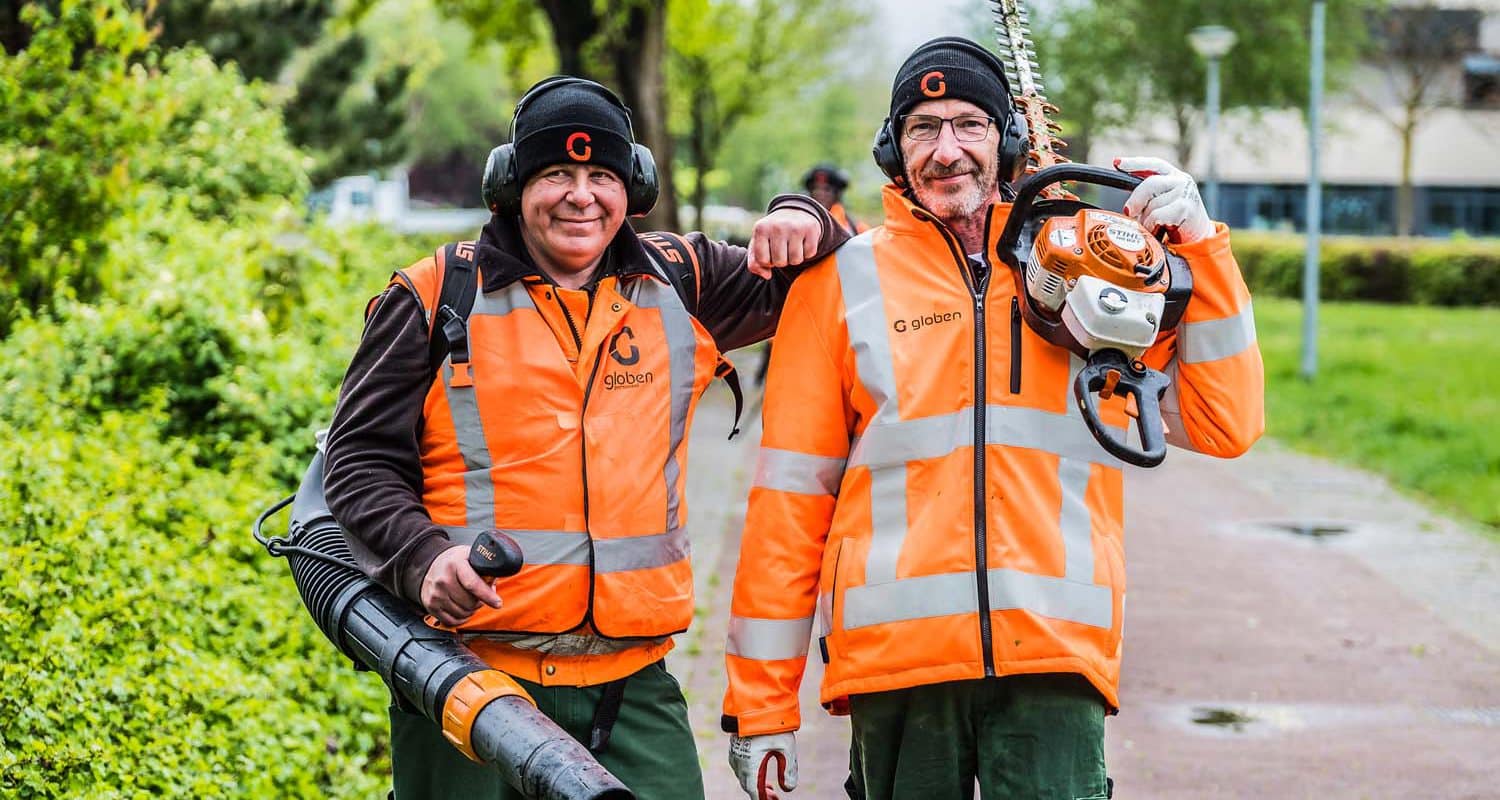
(947, 207)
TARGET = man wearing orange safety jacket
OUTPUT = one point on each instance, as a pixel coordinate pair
(562, 420)
(928, 492)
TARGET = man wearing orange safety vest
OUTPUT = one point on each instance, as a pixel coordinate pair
(927, 491)
(558, 414)
(826, 183)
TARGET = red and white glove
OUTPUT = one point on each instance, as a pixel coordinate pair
(1167, 199)
(765, 765)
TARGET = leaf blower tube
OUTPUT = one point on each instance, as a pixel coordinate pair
(482, 711)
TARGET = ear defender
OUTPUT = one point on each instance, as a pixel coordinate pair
(887, 153)
(501, 187)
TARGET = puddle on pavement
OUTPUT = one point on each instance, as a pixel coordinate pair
(1313, 530)
(1223, 718)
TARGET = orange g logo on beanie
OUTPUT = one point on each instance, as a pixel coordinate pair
(933, 84)
(576, 154)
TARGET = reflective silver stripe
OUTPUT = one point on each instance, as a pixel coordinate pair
(864, 315)
(798, 473)
(768, 639)
(888, 523)
(1074, 520)
(682, 349)
(640, 552)
(1062, 434)
(1216, 339)
(957, 593)
(468, 426)
(1171, 409)
(1013, 426)
(571, 547)
(825, 613)
(537, 547)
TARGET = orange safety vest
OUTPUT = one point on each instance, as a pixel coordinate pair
(841, 216)
(585, 467)
(924, 557)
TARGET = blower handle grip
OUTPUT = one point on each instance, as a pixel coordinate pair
(495, 554)
(1136, 380)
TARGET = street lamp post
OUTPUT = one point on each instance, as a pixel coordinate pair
(1212, 42)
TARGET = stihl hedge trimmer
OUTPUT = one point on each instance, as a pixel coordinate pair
(1092, 281)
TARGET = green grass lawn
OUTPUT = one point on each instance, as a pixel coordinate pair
(1410, 392)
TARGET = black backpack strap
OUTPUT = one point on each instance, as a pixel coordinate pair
(450, 322)
(679, 262)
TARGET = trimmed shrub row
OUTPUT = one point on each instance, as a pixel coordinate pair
(1421, 271)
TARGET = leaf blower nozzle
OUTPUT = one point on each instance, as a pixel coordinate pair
(483, 712)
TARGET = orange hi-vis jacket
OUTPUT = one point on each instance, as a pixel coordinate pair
(602, 434)
(841, 217)
(926, 487)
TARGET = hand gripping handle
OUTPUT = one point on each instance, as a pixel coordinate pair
(1112, 371)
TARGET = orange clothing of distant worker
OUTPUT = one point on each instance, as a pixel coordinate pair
(926, 559)
(841, 216)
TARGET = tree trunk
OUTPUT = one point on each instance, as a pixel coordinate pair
(698, 151)
(639, 66)
(1184, 119)
(637, 60)
(1405, 196)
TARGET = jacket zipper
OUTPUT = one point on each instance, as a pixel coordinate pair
(583, 446)
(977, 286)
(1015, 345)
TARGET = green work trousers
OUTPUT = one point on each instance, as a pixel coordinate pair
(651, 749)
(1023, 737)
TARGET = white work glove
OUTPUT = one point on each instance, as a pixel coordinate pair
(763, 762)
(1167, 198)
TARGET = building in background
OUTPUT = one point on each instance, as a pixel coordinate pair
(1453, 92)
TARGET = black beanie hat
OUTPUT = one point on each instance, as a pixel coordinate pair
(574, 122)
(951, 66)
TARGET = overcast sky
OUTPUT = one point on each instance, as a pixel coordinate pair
(907, 23)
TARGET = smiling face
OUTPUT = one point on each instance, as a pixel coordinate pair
(951, 178)
(569, 215)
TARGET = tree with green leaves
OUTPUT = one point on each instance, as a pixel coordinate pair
(1413, 52)
(621, 43)
(730, 59)
(1110, 64)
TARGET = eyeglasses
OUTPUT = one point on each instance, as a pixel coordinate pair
(926, 127)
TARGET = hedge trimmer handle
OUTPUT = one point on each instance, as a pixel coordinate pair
(1111, 372)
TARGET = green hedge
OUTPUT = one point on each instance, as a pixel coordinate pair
(1423, 271)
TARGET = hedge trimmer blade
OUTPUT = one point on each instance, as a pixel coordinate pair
(1013, 29)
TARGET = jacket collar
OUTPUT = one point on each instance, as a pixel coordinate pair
(903, 217)
(503, 259)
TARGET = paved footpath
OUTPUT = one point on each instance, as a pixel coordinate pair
(1259, 662)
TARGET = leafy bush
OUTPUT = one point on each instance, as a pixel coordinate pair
(91, 119)
(147, 645)
(1424, 271)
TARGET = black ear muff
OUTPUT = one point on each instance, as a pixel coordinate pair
(643, 186)
(887, 153)
(1015, 144)
(500, 189)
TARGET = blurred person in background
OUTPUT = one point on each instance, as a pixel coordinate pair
(826, 183)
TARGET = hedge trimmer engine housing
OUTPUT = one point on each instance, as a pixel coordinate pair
(1103, 277)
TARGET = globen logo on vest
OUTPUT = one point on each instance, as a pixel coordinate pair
(925, 320)
(627, 356)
